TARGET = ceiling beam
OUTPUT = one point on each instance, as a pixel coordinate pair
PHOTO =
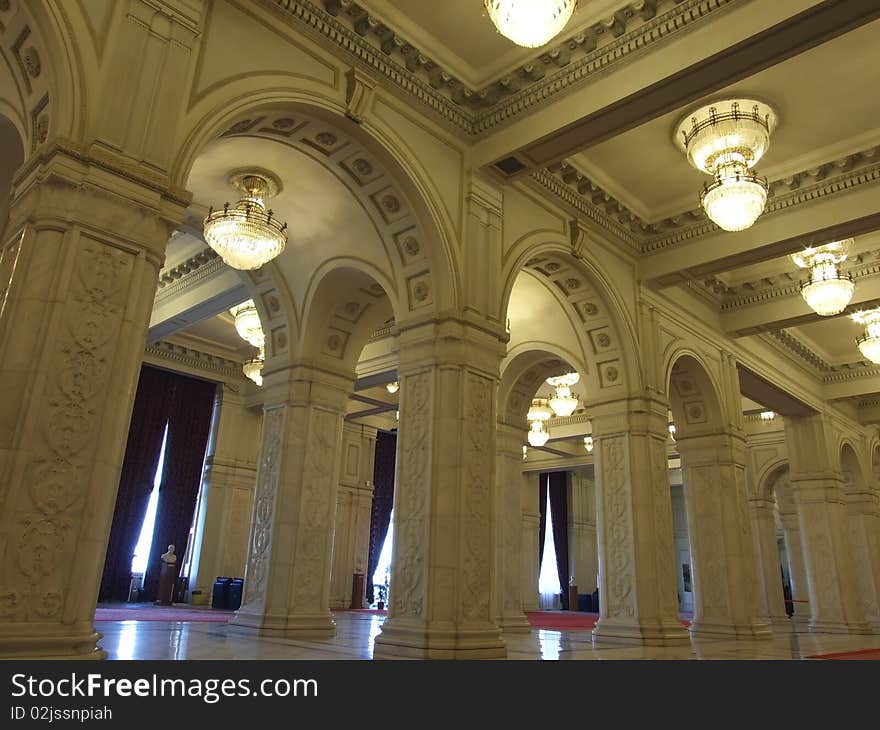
(774, 398)
(791, 310)
(843, 215)
(853, 387)
(786, 38)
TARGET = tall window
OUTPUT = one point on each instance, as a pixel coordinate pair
(548, 578)
(145, 540)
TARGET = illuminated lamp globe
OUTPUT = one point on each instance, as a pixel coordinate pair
(540, 410)
(869, 344)
(253, 369)
(530, 23)
(588, 444)
(393, 386)
(828, 292)
(247, 323)
(563, 402)
(735, 200)
(247, 235)
(538, 433)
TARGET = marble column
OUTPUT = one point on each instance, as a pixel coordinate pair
(637, 596)
(817, 484)
(227, 495)
(583, 546)
(354, 502)
(508, 528)
(443, 585)
(287, 583)
(531, 540)
(724, 577)
(864, 531)
(78, 272)
(768, 566)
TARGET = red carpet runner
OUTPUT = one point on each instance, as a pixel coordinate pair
(863, 655)
(567, 620)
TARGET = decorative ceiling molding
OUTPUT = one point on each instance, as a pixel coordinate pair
(189, 273)
(179, 355)
(793, 347)
(581, 58)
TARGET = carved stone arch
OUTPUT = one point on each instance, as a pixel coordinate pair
(610, 340)
(851, 467)
(694, 396)
(769, 474)
(524, 370)
(418, 234)
(347, 301)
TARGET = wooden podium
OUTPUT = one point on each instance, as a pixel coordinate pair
(572, 598)
(357, 590)
(167, 577)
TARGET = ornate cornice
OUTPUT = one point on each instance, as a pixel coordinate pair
(179, 355)
(581, 58)
(188, 273)
(790, 345)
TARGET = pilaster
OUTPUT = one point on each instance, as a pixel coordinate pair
(726, 601)
(443, 583)
(637, 595)
(772, 599)
(287, 583)
(864, 529)
(531, 539)
(582, 541)
(817, 483)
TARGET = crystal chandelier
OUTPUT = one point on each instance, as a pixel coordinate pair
(247, 323)
(726, 139)
(393, 386)
(672, 431)
(253, 368)
(246, 235)
(828, 292)
(563, 402)
(538, 415)
(530, 23)
(588, 444)
(869, 344)
(768, 415)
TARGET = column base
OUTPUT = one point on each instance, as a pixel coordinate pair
(306, 626)
(655, 633)
(780, 624)
(839, 627)
(51, 645)
(406, 639)
(514, 624)
(709, 630)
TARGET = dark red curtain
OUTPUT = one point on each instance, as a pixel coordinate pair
(189, 426)
(149, 415)
(383, 502)
(559, 511)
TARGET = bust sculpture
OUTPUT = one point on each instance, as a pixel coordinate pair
(170, 558)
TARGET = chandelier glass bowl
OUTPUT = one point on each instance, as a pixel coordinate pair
(530, 23)
(828, 291)
(247, 235)
(247, 323)
(869, 343)
(538, 415)
(253, 369)
(563, 402)
(725, 140)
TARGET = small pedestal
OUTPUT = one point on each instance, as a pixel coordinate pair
(572, 598)
(167, 577)
(357, 590)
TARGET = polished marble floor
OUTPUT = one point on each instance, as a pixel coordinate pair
(355, 634)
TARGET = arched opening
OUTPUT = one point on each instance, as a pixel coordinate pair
(864, 542)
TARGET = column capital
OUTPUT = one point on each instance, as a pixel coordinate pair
(715, 448)
(630, 416)
(300, 385)
(454, 342)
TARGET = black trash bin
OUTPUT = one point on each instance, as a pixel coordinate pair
(236, 588)
(220, 595)
(584, 602)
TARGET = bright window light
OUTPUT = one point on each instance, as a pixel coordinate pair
(145, 541)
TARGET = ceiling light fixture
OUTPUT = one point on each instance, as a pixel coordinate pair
(869, 344)
(253, 368)
(563, 402)
(672, 431)
(588, 444)
(530, 23)
(248, 324)
(726, 139)
(828, 292)
(246, 235)
(393, 386)
(539, 413)
(525, 452)
(768, 415)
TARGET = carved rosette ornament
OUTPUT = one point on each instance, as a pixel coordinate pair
(478, 422)
(416, 406)
(57, 477)
(264, 506)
